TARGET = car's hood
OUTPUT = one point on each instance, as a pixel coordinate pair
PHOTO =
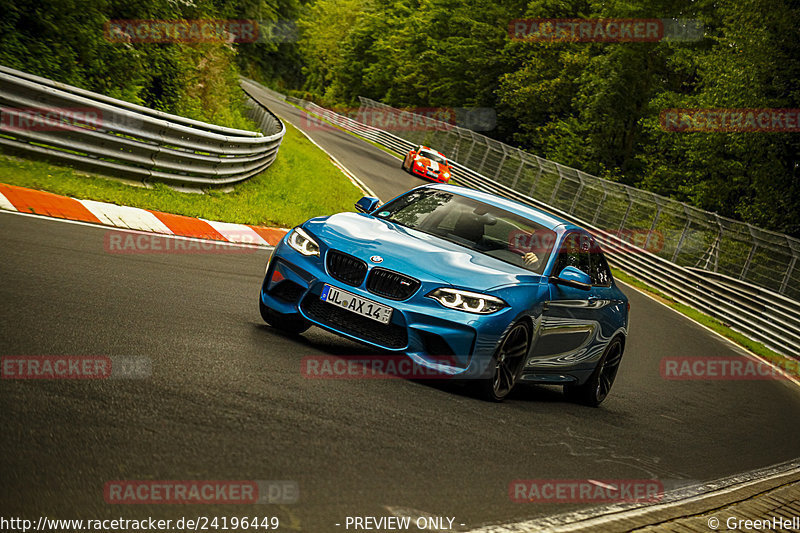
(430, 164)
(415, 253)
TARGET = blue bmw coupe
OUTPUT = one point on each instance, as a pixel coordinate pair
(469, 284)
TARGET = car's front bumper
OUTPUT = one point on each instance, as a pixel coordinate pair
(423, 173)
(450, 341)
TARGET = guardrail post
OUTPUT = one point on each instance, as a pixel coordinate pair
(787, 277)
(519, 170)
(457, 147)
(469, 152)
(485, 155)
(536, 177)
(500, 166)
(628, 210)
(653, 225)
(558, 184)
(683, 237)
(577, 194)
(599, 206)
(749, 260)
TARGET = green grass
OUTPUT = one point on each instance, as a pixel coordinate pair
(702, 318)
(301, 183)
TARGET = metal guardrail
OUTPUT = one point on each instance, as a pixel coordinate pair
(759, 314)
(121, 139)
(691, 237)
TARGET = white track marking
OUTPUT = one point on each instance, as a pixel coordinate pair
(126, 217)
(358, 182)
(5, 204)
(237, 232)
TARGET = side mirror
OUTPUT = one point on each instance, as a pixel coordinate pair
(367, 204)
(573, 277)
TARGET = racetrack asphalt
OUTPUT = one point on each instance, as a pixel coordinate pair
(226, 399)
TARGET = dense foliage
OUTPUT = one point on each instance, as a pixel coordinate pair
(66, 40)
(591, 105)
(594, 106)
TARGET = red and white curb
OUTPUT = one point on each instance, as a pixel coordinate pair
(23, 200)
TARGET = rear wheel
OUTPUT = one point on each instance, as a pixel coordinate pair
(597, 387)
(292, 326)
(506, 364)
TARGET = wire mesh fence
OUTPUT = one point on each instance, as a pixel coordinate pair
(678, 232)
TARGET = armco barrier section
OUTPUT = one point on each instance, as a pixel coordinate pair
(121, 139)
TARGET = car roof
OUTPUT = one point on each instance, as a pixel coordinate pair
(548, 220)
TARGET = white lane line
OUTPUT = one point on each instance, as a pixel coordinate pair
(137, 232)
(358, 182)
(5, 204)
(237, 232)
(126, 217)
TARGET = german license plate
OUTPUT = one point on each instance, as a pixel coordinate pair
(356, 304)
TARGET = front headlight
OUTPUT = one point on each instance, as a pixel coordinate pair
(302, 242)
(471, 302)
(446, 174)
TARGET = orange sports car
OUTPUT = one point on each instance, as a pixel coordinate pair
(428, 163)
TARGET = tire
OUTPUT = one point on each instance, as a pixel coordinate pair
(292, 326)
(597, 387)
(507, 363)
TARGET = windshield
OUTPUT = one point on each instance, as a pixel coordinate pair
(476, 225)
(433, 157)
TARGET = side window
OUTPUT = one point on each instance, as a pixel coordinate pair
(574, 252)
(600, 273)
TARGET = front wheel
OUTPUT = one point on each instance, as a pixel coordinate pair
(597, 387)
(292, 326)
(506, 364)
